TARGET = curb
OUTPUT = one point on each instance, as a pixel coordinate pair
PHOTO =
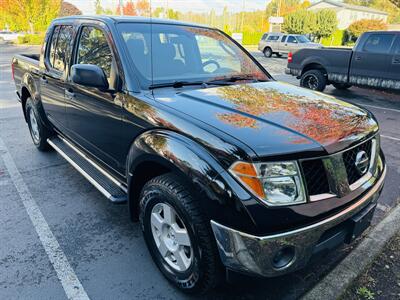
(340, 278)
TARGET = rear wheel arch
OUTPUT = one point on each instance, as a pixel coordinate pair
(314, 66)
(25, 94)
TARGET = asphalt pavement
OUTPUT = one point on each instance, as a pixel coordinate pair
(58, 232)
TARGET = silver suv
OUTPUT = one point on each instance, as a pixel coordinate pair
(280, 43)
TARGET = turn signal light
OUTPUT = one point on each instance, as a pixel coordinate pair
(247, 173)
(290, 57)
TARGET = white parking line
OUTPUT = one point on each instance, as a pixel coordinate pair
(390, 138)
(70, 282)
(378, 107)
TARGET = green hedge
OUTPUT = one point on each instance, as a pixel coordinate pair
(336, 39)
(31, 39)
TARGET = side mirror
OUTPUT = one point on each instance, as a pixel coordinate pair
(89, 75)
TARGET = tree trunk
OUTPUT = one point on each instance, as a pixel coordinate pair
(31, 29)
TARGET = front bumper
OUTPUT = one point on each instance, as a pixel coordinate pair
(256, 255)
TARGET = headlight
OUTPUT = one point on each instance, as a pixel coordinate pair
(276, 183)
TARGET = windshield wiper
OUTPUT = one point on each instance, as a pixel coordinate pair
(231, 79)
(175, 84)
(179, 84)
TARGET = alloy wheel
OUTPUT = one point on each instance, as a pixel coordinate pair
(311, 82)
(171, 237)
(34, 126)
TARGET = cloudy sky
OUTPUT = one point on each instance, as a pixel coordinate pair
(87, 6)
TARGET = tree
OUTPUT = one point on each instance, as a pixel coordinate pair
(143, 8)
(396, 3)
(102, 11)
(68, 9)
(29, 15)
(128, 9)
(361, 26)
(326, 23)
(300, 22)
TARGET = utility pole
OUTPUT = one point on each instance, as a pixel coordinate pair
(121, 11)
(242, 21)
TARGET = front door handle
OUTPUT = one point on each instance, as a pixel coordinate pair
(69, 94)
(358, 58)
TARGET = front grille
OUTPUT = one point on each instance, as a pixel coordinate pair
(315, 177)
(349, 159)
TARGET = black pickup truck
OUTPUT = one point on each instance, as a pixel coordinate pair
(373, 62)
(227, 169)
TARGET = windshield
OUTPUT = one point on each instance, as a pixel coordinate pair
(184, 53)
(303, 39)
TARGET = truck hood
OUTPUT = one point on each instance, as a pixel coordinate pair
(275, 118)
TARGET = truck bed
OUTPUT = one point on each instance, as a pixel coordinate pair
(336, 61)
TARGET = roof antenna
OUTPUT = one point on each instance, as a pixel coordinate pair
(151, 41)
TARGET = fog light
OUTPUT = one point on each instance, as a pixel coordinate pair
(284, 257)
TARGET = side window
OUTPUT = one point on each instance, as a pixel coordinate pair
(93, 49)
(378, 43)
(397, 50)
(63, 49)
(53, 43)
(264, 37)
(291, 39)
(284, 39)
(273, 38)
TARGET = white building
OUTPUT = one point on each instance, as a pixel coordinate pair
(347, 13)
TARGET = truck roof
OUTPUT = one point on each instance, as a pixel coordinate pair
(129, 19)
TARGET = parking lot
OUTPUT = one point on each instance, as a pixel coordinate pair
(100, 248)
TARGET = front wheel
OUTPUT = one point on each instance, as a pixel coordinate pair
(268, 52)
(313, 80)
(178, 236)
(38, 131)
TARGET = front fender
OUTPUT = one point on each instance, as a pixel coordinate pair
(212, 186)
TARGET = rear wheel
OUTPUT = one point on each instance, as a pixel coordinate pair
(268, 52)
(178, 236)
(38, 131)
(341, 86)
(314, 80)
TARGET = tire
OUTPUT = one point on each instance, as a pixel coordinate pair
(268, 52)
(341, 86)
(38, 131)
(202, 270)
(314, 80)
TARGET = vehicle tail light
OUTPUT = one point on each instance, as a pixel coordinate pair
(12, 70)
(290, 57)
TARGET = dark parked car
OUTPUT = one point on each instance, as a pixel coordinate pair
(373, 62)
(226, 168)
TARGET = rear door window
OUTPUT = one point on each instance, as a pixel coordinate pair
(63, 49)
(53, 44)
(284, 38)
(273, 38)
(379, 43)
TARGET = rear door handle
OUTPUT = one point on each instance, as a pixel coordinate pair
(358, 58)
(43, 79)
(396, 61)
(69, 94)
